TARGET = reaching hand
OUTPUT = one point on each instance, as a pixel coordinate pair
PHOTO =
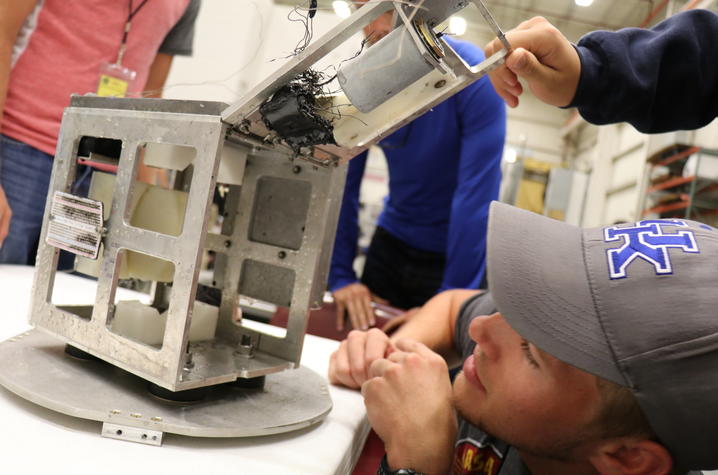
(408, 401)
(349, 365)
(543, 57)
(355, 299)
(5, 215)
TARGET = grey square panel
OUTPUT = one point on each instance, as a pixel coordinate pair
(267, 282)
(280, 212)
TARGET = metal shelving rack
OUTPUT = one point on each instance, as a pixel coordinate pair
(675, 195)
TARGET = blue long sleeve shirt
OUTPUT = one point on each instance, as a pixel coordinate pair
(658, 80)
(444, 170)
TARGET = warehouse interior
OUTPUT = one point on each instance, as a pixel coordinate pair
(200, 326)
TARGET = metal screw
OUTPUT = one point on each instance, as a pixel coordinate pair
(440, 84)
(245, 347)
(228, 243)
(296, 169)
(281, 254)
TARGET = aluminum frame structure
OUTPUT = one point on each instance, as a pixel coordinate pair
(277, 238)
(278, 198)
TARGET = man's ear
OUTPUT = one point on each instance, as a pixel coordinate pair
(631, 456)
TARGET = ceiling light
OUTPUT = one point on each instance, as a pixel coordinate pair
(457, 25)
(341, 8)
(583, 3)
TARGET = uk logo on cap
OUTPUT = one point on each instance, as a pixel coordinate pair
(648, 241)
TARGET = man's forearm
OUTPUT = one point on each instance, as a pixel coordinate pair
(433, 325)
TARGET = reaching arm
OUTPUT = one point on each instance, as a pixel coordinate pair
(12, 15)
(350, 296)
(658, 80)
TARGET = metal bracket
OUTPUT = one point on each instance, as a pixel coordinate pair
(132, 434)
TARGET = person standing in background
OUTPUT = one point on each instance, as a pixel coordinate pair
(51, 49)
(444, 170)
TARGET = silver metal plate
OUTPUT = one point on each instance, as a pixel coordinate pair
(36, 368)
(131, 434)
(75, 224)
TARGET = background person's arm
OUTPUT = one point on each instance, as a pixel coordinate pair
(12, 16)
(351, 297)
(482, 123)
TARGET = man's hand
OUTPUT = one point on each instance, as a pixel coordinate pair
(543, 57)
(408, 401)
(355, 299)
(5, 215)
(349, 365)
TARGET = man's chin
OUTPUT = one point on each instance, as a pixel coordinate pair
(466, 400)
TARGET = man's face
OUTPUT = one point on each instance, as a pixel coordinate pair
(524, 396)
(380, 27)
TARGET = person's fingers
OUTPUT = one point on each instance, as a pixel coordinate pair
(368, 311)
(510, 99)
(379, 367)
(377, 344)
(354, 313)
(363, 306)
(397, 356)
(341, 372)
(332, 368)
(412, 346)
(341, 309)
(507, 77)
(356, 342)
(525, 64)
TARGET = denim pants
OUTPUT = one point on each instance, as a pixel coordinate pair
(25, 177)
(405, 276)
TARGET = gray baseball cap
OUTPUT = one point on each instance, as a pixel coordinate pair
(635, 303)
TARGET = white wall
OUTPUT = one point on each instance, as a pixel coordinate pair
(238, 43)
(229, 36)
(533, 129)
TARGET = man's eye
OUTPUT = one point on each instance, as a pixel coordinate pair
(527, 353)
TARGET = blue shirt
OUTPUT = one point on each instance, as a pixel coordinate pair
(444, 170)
(658, 80)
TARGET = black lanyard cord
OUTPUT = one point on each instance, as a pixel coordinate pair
(131, 14)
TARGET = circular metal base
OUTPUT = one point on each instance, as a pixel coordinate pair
(36, 368)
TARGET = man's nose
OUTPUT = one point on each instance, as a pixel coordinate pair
(484, 331)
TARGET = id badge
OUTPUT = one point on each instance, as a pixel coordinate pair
(115, 80)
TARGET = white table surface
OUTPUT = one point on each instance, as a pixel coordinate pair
(37, 440)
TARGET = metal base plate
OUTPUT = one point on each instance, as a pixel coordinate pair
(36, 368)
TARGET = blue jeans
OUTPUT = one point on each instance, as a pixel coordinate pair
(25, 176)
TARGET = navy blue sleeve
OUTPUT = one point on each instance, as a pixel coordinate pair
(482, 122)
(341, 271)
(658, 80)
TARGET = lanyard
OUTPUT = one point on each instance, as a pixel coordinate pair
(128, 24)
